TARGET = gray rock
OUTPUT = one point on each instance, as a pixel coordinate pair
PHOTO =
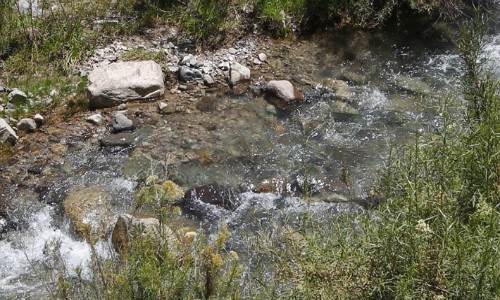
(224, 66)
(7, 134)
(26, 124)
(188, 74)
(262, 57)
(17, 97)
(208, 80)
(412, 85)
(238, 73)
(95, 119)
(162, 105)
(119, 140)
(257, 61)
(1, 108)
(341, 107)
(232, 51)
(120, 82)
(354, 78)
(88, 208)
(121, 122)
(283, 93)
(339, 87)
(38, 120)
(187, 59)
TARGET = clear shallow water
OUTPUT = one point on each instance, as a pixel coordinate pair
(253, 145)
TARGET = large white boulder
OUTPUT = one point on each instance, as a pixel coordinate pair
(120, 82)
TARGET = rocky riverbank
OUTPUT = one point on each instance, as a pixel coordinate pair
(255, 115)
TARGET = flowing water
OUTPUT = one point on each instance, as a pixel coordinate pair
(396, 84)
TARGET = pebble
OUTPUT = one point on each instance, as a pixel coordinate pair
(232, 51)
(121, 122)
(38, 119)
(262, 57)
(96, 119)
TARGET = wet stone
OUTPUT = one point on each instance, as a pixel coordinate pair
(119, 140)
(198, 201)
(282, 93)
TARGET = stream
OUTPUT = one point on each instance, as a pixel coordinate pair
(396, 84)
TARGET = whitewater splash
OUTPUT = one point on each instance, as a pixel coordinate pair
(33, 251)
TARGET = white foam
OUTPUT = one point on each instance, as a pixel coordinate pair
(492, 55)
(372, 98)
(19, 256)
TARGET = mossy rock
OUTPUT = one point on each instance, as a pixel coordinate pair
(87, 208)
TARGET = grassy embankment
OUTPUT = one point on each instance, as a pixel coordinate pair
(42, 49)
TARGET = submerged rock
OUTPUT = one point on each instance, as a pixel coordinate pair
(207, 104)
(119, 140)
(7, 134)
(339, 87)
(412, 85)
(341, 107)
(87, 208)
(354, 78)
(283, 94)
(200, 200)
(120, 82)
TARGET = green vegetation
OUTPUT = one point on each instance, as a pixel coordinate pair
(436, 235)
(54, 36)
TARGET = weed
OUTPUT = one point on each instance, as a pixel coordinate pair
(140, 54)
